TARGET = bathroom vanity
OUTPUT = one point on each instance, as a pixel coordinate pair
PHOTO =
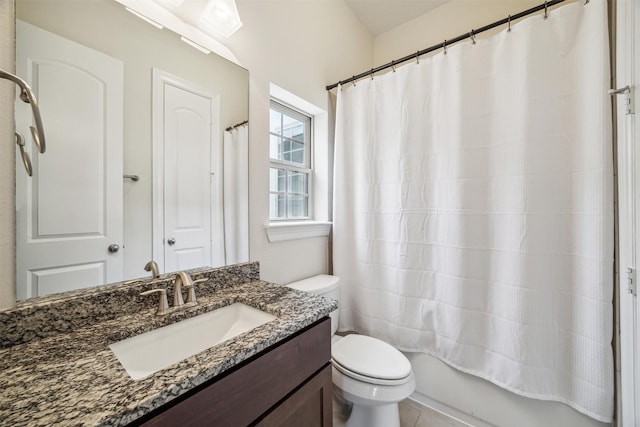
(287, 385)
(57, 368)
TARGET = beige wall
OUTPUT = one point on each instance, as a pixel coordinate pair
(7, 154)
(450, 20)
(301, 47)
(437, 383)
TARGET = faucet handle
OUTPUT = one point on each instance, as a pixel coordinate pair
(163, 304)
(191, 294)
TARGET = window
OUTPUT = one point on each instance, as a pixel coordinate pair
(290, 171)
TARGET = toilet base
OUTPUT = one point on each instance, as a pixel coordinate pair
(374, 416)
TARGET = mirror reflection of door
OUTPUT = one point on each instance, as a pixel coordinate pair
(187, 155)
(70, 211)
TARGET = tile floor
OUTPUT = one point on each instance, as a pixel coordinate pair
(412, 414)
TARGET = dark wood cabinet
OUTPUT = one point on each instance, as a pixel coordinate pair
(288, 384)
(308, 406)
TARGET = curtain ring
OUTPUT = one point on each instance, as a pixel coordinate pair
(509, 21)
(371, 74)
(472, 37)
(444, 47)
(393, 65)
(353, 80)
(546, 12)
(418, 57)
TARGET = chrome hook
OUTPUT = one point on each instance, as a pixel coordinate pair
(509, 22)
(418, 57)
(353, 80)
(546, 11)
(444, 47)
(393, 65)
(25, 157)
(371, 74)
(472, 36)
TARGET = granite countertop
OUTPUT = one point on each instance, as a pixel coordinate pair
(73, 378)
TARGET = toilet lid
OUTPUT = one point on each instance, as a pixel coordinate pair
(370, 357)
(318, 285)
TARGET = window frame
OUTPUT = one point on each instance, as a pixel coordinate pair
(306, 168)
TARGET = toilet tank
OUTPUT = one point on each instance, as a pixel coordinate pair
(323, 285)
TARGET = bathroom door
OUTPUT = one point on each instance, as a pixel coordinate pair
(70, 211)
(186, 143)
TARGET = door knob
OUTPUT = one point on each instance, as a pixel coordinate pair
(171, 241)
(113, 248)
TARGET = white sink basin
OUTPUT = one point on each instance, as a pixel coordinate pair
(155, 350)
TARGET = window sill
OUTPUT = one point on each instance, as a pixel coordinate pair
(289, 230)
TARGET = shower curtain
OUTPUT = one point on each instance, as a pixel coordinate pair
(236, 195)
(473, 210)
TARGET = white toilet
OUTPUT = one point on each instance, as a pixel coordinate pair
(369, 374)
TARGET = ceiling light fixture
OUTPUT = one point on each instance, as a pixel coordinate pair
(222, 17)
(144, 18)
(195, 45)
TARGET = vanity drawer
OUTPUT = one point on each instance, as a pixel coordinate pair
(242, 396)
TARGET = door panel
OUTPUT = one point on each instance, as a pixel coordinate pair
(70, 211)
(61, 279)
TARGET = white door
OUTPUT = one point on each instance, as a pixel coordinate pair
(190, 183)
(70, 211)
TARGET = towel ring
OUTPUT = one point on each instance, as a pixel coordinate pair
(27, 96)
(25, 157)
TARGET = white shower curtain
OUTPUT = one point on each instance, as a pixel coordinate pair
(473, 210)
(236, 195)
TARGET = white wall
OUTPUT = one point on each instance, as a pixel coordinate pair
(301, 46)
(437, 383)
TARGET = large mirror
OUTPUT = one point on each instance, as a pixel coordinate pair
(139, 162)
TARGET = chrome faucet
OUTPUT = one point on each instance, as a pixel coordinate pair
(184, 280)
(152, 266)
(181, 280)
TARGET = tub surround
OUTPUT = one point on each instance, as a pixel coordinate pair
(57, 367)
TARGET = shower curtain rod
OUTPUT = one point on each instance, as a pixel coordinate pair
(446, 43)
(230, 128)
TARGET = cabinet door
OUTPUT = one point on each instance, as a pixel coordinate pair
(309, 406)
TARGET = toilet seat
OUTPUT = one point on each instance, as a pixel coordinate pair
(370, 360)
